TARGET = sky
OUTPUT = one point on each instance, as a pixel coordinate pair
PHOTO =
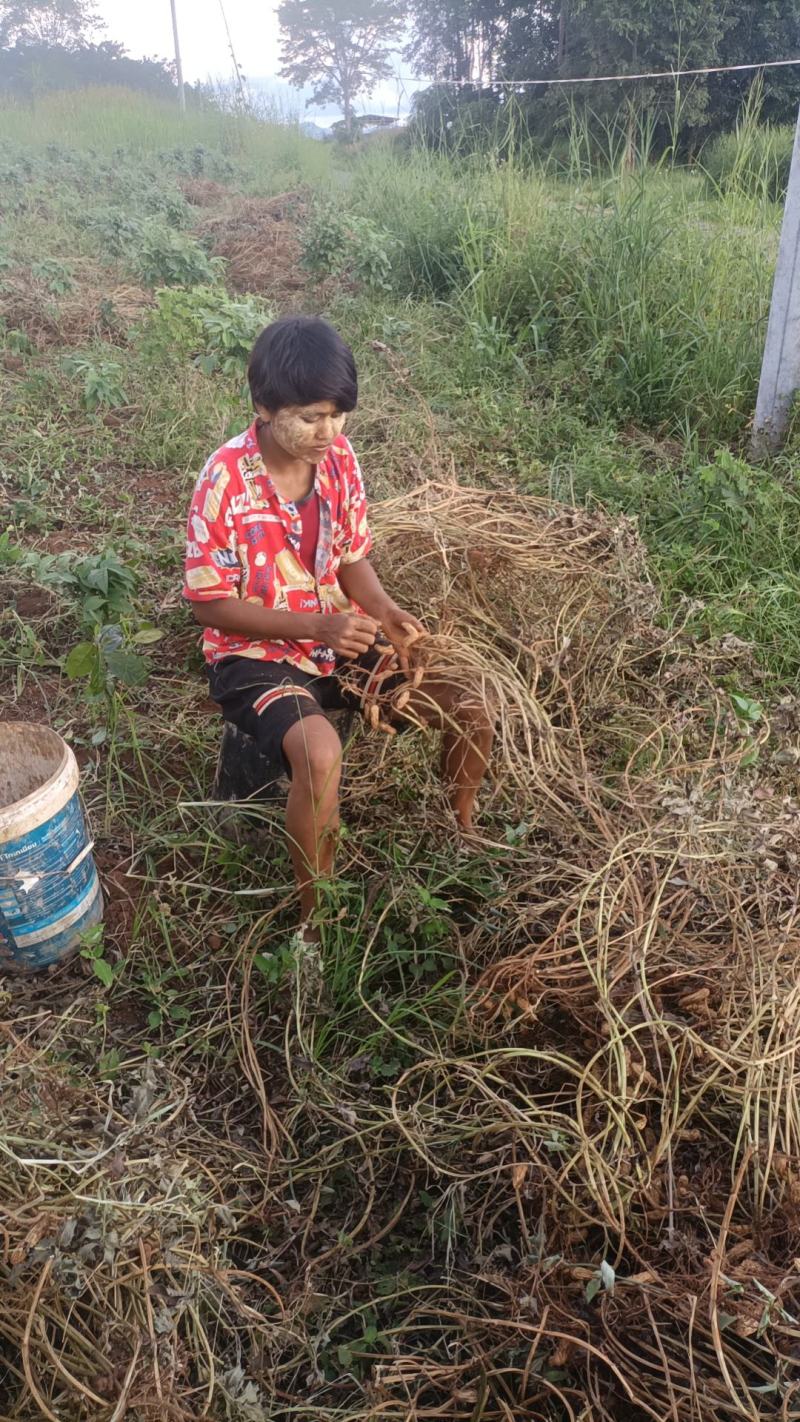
(145, 29)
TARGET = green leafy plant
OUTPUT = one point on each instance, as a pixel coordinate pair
(55, 275)
(17, 342)
(337, 243)
(733, 493)
(204, 325)
(117, 230)
(102, 590)
(93, 951)
(106, 659)
(165, 257)
(102, 381)
(99, 584)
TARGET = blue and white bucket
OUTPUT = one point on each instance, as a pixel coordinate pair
(49, 889)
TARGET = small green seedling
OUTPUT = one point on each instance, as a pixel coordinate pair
(93, 950)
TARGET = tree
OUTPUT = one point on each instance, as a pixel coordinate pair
(768, 30)
(618, 36)
(66, 23)
(455, 39)
(541, 39)
(29, 70)
(342, 47)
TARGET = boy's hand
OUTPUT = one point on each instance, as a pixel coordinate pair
(349, 636)
(402, 630)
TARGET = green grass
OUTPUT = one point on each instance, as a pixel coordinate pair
(104, 121)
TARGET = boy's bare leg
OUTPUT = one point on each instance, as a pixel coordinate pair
(467, 735)
(314, 753)
(465, 756)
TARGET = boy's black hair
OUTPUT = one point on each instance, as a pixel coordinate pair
(300, 360)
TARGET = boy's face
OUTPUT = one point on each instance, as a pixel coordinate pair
(305, 431)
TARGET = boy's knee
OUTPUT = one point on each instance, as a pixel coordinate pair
(314, 753)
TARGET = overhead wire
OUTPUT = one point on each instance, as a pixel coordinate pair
(608, 78)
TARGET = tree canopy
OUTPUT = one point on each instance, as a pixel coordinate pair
(27, 70)
(65, 23)
(485, 40)
(341, 47)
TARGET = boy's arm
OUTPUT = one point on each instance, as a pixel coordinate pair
(361, 584)
(348, 635)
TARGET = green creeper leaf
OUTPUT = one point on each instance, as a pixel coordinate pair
(747, 709)
(147, 635)
(344, 1355)
(593, 1287)
(81, 660)
(109, 1064)
(103, 971)
(154, 1018)
(127, 667)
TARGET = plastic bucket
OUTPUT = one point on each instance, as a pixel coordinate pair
(49, 889)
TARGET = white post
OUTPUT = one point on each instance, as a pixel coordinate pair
(780, 373)
(178, 65)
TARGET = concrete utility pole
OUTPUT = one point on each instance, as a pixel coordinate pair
(780, 373)
(178, 65)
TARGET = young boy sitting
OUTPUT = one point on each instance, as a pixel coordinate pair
(278, 573)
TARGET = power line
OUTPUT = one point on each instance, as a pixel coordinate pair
(608, 78)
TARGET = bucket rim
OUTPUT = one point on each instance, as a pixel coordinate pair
(7, 812)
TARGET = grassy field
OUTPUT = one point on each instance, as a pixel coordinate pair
(532, 1148)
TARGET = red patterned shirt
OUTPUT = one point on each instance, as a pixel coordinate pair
(243, 541)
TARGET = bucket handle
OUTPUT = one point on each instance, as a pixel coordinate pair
(28, 882)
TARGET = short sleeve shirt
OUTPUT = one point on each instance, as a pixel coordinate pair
(244, 542)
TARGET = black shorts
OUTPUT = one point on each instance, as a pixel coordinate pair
(265, 699)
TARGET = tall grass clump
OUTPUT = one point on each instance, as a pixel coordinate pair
(631, 287)
(754, 160)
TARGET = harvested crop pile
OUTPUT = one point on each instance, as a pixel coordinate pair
(90, 307)
(578, 1197)
(204, 192)
(258, 239)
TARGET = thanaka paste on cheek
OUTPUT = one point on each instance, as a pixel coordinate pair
(299, 438)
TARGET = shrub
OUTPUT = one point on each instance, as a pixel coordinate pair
(169, 258)
(54, 275)
(116, 230)
(205, 325)
(102, 380)
(337, 243)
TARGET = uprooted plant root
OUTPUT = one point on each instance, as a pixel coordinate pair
(606, 1144)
